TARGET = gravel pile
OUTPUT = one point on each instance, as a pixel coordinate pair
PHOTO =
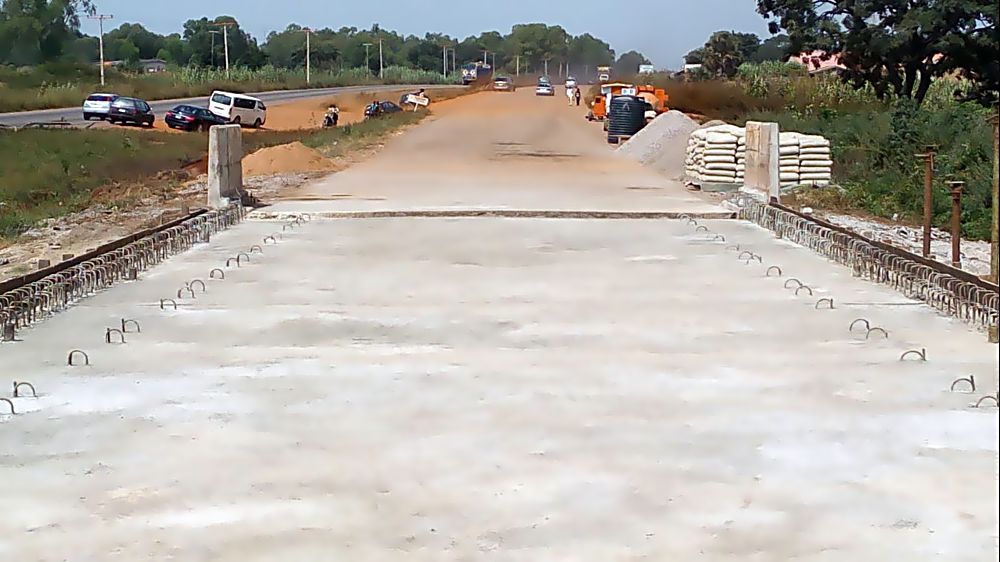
(662, 143)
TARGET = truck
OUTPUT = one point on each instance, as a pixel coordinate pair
(476, 71)
(603, 73)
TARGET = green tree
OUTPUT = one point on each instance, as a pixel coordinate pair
(897, 46)
(243, 49)
(34, 31)
(628, 63)
(147, 42)
(773, 48)
(725, 51)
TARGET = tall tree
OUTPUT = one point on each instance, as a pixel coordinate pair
(243, 49)
(34, 31)
(896, 46)
(628, 64)
(725, 51)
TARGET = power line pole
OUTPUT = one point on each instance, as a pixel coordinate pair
(308, 32)
(517, 65)
(994, 331)
(100, 19)
(368, 66)
(213, 32)
(444, 61)
(381, 63)
(225, 25)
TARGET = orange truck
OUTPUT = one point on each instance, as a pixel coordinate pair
(655, 97)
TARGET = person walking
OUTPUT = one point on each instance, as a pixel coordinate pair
(578, 95)
(569, 94)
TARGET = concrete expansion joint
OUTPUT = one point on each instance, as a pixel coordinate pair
(494, 213)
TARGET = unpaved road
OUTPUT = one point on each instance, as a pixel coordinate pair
(499, 388)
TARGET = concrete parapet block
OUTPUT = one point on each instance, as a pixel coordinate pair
(225, 165)
(763, 151)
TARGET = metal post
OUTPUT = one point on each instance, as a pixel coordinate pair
(994, 331)
(308, 32)
(995, 245)
(100, 38)
(928, 158)
(956, 222)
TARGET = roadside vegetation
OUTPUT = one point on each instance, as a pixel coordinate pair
(66, 85)
(880, 103)
(48, 173)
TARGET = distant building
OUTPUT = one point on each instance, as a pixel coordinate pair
(818, 61)
(147, 65)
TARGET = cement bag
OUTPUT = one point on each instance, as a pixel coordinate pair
(815, 150)
(787, 176)
(719, 151)
(788, 161)
(813, 141)
(788, 150)
(816, 158)
(730, 147)
(740, 168)
(815, 176)
(729, 166)
(816, 164)
(721, 138)
(716, 158)
(719, 179)
(788, 139)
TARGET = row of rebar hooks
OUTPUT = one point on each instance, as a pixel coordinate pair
(950, 295)
(30, 303)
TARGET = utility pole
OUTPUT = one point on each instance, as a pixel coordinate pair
(546, 61)
(368, 67)
(454, 67)
(485, 52)
(994, 331)
(308, 32)
(381, 64)
(928, 158)
(517, 63)
(225, 25)
(213, 33)
(956, 222)
(444, 61)
(100, 21)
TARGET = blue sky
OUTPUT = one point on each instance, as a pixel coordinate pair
(664, 30)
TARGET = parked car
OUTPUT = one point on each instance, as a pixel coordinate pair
(504, 84)
(97, 106)
(238, 109)
(380, 108)
(545, 90)
(191, 118)
(131, 110)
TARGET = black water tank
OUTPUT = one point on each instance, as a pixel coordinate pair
(626, 116)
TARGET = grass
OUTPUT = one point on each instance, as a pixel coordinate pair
(48, 173)
(874, 141)
(55, 85)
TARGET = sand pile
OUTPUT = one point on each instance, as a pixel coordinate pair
(286, 158)
(662, 143)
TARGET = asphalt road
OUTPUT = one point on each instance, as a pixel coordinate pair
(74, 115)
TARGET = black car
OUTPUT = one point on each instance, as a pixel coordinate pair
(131, 110)
(191, 118)
(378, 109)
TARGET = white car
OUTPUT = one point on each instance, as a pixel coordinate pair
(97, 106)
(545, 90)
(570, 83)
(238, 109)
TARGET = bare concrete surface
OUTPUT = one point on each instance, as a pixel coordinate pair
(499, 389)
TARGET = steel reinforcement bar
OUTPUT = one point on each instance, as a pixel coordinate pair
(27, 300)
(952, 292)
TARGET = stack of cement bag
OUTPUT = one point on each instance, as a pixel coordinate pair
(815, 164)
(788, 159)
(712, 155)
(741, 158)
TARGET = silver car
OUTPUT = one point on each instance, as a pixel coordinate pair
(97, 106)
(545, 90)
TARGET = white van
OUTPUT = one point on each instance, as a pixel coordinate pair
(238, 109)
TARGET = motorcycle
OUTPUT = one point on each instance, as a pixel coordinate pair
(331, 118)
